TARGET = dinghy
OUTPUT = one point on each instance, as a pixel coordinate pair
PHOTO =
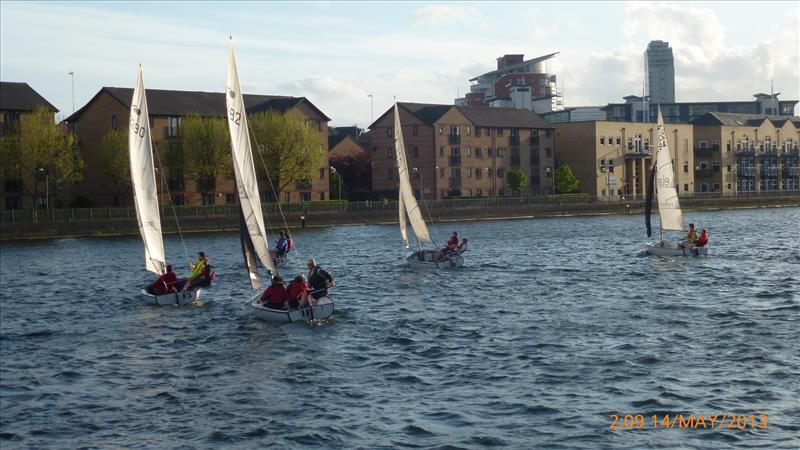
(145, 196)
(408, 206)
(252, 234)
(662, 179)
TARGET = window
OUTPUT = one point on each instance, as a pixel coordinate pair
(618, 141)
(441, 130)
(390, 173)
(416, 151)
(602, 140)
(499, 131)
(685, 187)
(178, 200)
(441, 173)
(716, 187)
(389, 131)
(414, 130)
(305, 196)
(501, 173)
(322, 195)
(469, 173)
(610, 166)
(478, 152)
(441, 151)
(501, 152)
(489, 152)
(478, 131)
(715, 165)
(469, 130)
(703, 144)
(548, 152)
(548, 132)
(230, 199)
(208, 199)
(390, 152)
(13, 203)
(319, 125)
(322, 173)
(469, 151)
(602, 166)
(173, 126)
(686, 166)
(114, 122)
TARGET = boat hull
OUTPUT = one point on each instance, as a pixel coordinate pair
(173, 298)
(321, 311)
(671, 249)
(424, 260)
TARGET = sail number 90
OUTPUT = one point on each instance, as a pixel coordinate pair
(235, 117)
(137, 130)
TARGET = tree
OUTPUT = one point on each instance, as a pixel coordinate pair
(40, 148)
(356, 173)
(517, 180)
(291, 150)
(115, 161)
(565, 181)
(206, 147)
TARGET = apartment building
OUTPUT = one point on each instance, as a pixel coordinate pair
(110, 108)
(613, 160)
(463, 151)
(746, 153)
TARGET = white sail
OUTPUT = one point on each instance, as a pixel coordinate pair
(407, 200)
(243, 167)
(668, 206)
(403, 225)
(143, 179)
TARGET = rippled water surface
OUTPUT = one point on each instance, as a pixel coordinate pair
(551, 326)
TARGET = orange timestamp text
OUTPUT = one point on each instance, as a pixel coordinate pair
(688, 421)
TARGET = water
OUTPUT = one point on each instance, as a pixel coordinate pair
(552, 325)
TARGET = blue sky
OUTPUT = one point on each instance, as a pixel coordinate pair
(336, 53)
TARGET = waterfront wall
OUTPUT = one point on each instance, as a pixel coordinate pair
(28, 224)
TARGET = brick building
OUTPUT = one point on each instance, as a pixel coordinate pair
(463, 151)
(110, 108)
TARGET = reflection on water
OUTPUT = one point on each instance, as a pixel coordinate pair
(552, 325)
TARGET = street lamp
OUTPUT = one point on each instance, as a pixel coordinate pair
(371, 109)
(72, 77)
(339, 182)
(605, 168)
(42, 171)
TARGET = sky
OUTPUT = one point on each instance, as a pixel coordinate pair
(338, 53)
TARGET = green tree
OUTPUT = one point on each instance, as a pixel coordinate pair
(206, 145)
(565, 181)
(517, 180)
(40, 147)
(356, 173)
(291, 150)
(115, 161)
(336, 185)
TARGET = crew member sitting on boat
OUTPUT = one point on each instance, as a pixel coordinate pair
(276, 296)
(690, 238)
(462, 247)
(319, 279)
(450, 249)
(702, 241)
(164, 284)
(200, 276)
(298, 292)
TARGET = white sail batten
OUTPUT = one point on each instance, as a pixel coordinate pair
(669, 208)
(143, 179)
(406, 194)
(244, 169)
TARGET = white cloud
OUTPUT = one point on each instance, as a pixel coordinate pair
(447, 15)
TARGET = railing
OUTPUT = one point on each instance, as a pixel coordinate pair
(455, 160)
(454, 139)
(769, 173)
(232, 211)
(745, 150)
(637, 150)
(704, 172)
(747, 172)
(703, 152)
(795, 151)
(793, 172)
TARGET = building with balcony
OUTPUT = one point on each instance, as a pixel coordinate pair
(17, 99)
(110, 108)
(746, 153)
(641, 109)
(516, 83)
(613, 160)
(463, 151)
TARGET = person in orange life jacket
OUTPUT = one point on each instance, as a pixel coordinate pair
(165, 283)
(275, 296)
(298, 291)
(702, 241)
(690, 238)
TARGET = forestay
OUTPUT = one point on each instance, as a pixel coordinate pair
(407, 202)
(244, 169)
(143, 179)
(669, 209)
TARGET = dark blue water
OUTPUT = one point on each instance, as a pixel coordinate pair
(552, 326)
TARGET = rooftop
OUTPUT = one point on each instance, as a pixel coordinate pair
(21, 97)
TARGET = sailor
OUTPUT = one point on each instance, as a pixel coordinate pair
(200, 273)
(298, 291)
(165, 283)
(462, 247)
(281, 244)
(275, 296)
(690, 238)
(319, 279)
(702, 241)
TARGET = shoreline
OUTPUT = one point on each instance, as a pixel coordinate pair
(76, 230)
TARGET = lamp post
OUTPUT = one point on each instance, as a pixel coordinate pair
(42, 171)
(608, 174)
(371, 109)
(72, 78)
(338, 182)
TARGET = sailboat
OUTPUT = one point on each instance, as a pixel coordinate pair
(408, 206)
(662, 179)
(252, 233)
(145, 196)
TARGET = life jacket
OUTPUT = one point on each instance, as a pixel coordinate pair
(275, 296)
(289, 245)
(702, 240)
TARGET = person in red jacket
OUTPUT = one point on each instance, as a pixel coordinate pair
(276, 296)
(702, 241)
(298, 292)
(165, 283)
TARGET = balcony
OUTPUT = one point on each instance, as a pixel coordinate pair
(704, 172)
(455, 182)
(637, 150)
(769, 173)
(791, 172)
(515, 160)
(745, 150)
(791, 151)
(747, 172)
(703, 152)
(454, 160)
(454, 139)
(513, 140)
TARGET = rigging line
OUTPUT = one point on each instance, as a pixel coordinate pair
(169, 196)
(269, 179)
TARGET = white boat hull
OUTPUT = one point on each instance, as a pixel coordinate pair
(672, 249)
(321, 311)
(173, 298)
(424, 260)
